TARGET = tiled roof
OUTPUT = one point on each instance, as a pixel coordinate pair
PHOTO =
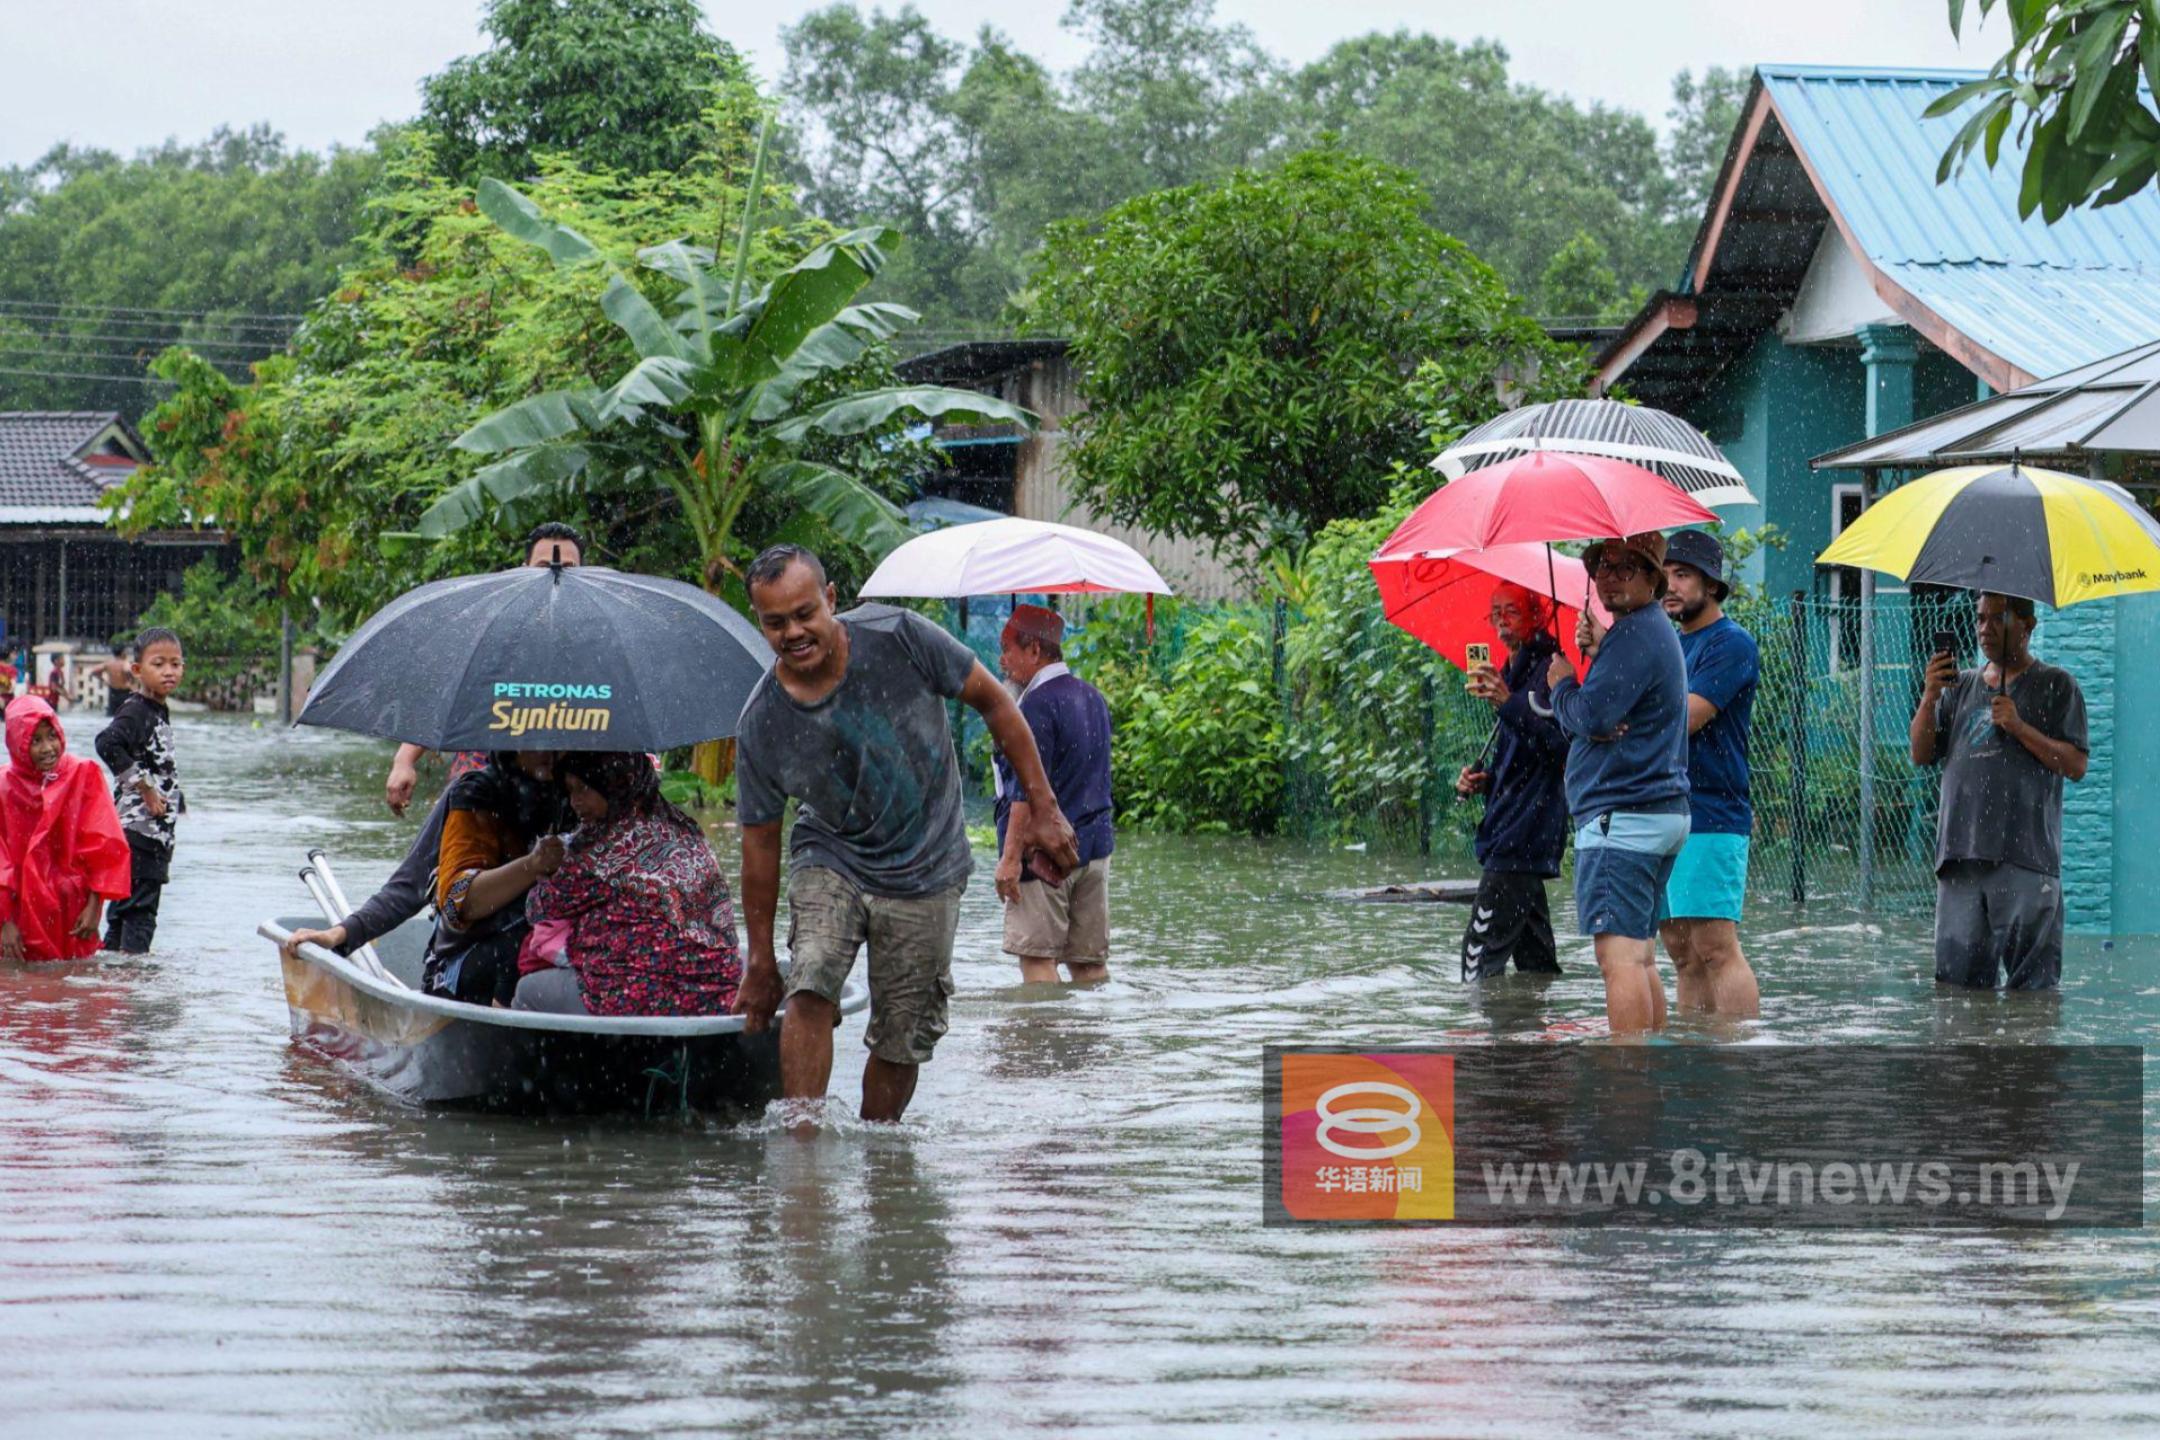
(2042, 297)
(43, 464)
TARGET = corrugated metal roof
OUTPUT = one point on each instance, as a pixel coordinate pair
(2043, 297)
(2108, 405)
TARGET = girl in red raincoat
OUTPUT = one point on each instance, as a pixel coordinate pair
(62, 852)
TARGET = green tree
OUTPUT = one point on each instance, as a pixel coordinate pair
(105, 262)
(1578, 284)
(1244, 346)
(1181, 97)
(973, 151)
(1511, 171)
(324, 457)
(1704, 114)
(879, 91)
(625, 84)
(2078, 80)
(726, 390)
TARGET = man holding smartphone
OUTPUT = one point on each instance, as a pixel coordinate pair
(2007, 735)
(1524, 832)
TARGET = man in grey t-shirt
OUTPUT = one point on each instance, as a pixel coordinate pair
(2008, 734)
(851, 724)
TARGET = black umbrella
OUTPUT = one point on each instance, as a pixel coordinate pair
(582, 658)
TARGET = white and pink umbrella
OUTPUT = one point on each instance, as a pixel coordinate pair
(1011, 556)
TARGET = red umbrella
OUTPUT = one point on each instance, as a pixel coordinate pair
(1547, 495)
(1445, 597)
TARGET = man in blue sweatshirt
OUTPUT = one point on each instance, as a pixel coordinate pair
(1627, 772)
(1524, 832)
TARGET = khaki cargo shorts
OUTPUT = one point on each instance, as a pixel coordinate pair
(1069, 922)
(911, 945)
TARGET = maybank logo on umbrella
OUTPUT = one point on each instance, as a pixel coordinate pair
(512, 714)
(1368, 1136)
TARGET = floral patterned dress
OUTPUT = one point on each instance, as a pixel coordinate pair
(652, 923)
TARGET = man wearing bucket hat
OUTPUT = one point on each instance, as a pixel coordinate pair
(1050, 921)
(1700, 919)
(1627, 784)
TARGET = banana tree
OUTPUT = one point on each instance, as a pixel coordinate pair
(720, 384)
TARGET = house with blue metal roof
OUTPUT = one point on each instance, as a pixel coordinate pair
(1834, 292)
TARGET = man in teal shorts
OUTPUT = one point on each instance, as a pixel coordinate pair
(1699, 920)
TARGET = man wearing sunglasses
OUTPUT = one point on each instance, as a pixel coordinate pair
(1627, 773)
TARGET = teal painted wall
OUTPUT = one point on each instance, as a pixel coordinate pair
(2134, 857)
(1940, 383)
(1772, 410)
(2085, 641)
(1733, 413)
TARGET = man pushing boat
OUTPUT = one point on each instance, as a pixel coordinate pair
(851, 723)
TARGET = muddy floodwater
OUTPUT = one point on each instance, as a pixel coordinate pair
(206, 1231)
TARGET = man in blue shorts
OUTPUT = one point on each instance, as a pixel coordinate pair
(1700, 923)
(1627, 784)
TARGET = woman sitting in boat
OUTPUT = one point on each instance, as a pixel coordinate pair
(639, 908)
(498, 838)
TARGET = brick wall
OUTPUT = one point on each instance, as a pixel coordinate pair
(2082, 641)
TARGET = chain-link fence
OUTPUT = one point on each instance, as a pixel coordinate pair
(1371, 727)
(1831, 820)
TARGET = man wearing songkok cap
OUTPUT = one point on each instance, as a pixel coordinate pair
(1052, 920)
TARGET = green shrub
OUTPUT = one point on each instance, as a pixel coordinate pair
(1365, 698)
(227, 624)
(1198, 741)
(689, 790)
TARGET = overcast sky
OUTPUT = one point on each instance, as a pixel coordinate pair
(128, 73)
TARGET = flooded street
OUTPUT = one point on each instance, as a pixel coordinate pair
(204, 1231)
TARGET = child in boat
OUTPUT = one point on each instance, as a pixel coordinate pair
(138, 748)
(638, 908)
(62, 852)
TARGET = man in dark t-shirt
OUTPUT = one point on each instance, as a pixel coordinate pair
(1700, 917)
(2007, 735)
(850, 723)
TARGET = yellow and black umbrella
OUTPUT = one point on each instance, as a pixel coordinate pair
(2047, 536)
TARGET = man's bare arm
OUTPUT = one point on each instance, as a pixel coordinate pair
(759, 996)
(1007, 877)
(1046, 829)
(1700, 712)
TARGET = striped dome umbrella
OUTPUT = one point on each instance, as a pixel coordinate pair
(2055, 538)
(1663, 444)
